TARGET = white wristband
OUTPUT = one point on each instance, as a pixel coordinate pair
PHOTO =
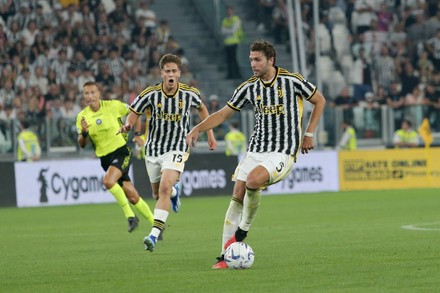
(308, 134)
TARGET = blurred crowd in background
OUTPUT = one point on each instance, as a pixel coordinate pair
(48, 50)
(375, 53)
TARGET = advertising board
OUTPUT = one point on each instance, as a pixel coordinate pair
(389, 169)
(313, 172)
(48, 183)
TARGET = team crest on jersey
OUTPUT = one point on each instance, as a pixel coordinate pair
(258, 98)
(159, 105)
(280, 92)
(98, 121)
(180, 104)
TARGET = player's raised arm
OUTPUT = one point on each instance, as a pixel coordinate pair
(131, 119)
(83, 136)
(212, 121)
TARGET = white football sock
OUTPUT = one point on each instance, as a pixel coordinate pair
(251, 202)
(232, 218)
(160, 218)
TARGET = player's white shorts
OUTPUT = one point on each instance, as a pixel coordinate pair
(172, 160)
(277, 164)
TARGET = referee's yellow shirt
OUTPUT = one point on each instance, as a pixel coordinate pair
(103, 126)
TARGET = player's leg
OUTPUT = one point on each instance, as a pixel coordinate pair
(110, 181)
(155, 190)
(266, 169)
(273, 168)
(163, 204)
(140, 205)
(232, 219)
(161, 211)
(153, 166)
(241, 175)
(175, 161)
(234, 212)
(235, 209)
(256, 179)
(116, 165)
(175, 196)
(164, 171)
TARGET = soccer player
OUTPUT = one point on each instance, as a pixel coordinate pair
(277, 98)
(169, 103)
(98, 123)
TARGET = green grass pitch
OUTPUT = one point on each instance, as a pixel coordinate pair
(321, 242)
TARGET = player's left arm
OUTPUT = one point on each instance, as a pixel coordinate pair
(203, 114)
(131, 120)
(318, 102)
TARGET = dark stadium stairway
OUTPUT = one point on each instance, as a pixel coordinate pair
(247, 14)
(200, 46)
(205, 54)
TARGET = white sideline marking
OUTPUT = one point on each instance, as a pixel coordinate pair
(419, 228)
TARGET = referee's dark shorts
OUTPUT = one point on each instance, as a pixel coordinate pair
(121, 159)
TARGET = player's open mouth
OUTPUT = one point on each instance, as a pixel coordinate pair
(170, 80)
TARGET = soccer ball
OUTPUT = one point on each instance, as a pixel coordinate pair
(239, 255)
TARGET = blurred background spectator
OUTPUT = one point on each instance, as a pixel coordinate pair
(389, 50)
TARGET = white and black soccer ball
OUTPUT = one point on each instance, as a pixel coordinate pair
(239, 255)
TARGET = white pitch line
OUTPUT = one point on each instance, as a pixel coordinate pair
(419, 228)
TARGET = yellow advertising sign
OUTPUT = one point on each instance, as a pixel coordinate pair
(389, 169)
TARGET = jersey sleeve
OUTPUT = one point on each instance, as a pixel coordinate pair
(140, 104)
(306, 88)
(239, 99)
(196, 100)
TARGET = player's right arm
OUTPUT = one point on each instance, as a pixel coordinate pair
(83, 136)
(210, 122)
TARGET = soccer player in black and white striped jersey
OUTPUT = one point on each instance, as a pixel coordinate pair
(169, 104)
(277, 97)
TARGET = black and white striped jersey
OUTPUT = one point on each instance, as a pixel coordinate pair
(278, 107)
(170, 117)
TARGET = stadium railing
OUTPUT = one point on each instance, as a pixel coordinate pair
(374, 128)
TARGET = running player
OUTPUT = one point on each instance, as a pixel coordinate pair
(170, 103)
(276, 96)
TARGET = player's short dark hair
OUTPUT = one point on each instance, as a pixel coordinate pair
(264, 47)
(90, 83)
(170, 58)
